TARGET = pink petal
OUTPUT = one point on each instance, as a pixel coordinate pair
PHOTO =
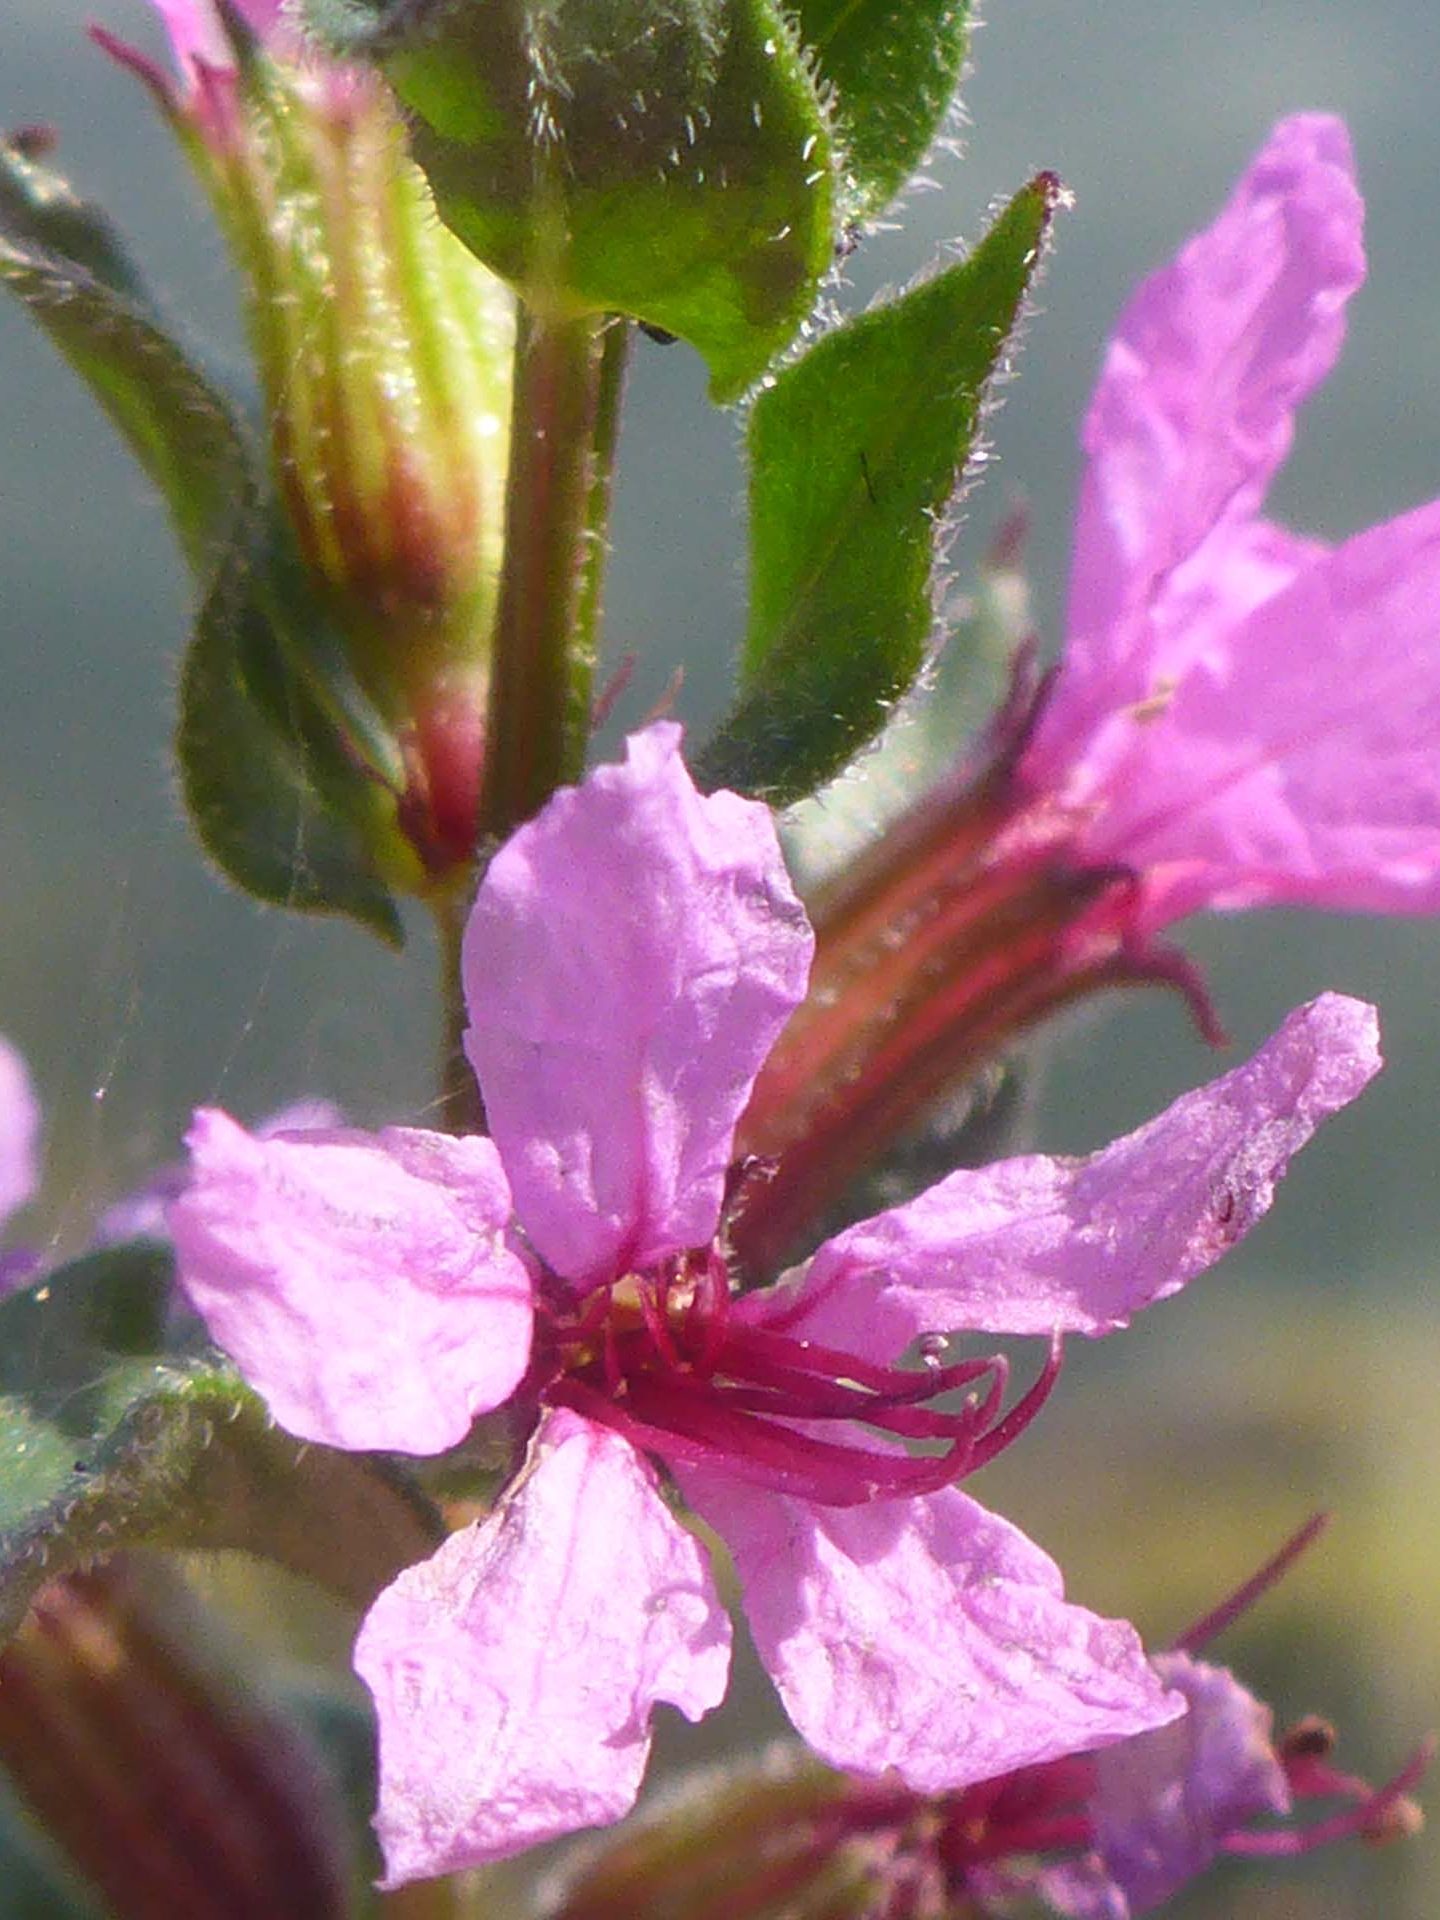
(514, 1672)
(1191, 627)
(197, 36)
(1037, 1244)
(1082, 1890)
(1297, 760)
(926, 1635)
(632, 955)
(363, 1284)
(19, 1133)
(1195, 407)
(1165, 1803)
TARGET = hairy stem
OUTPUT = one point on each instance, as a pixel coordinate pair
(540, 684)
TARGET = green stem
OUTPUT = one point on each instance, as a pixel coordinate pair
(461, 1108)
(540, 682)
(614, 356)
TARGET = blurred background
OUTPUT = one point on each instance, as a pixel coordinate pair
(1302, 1373)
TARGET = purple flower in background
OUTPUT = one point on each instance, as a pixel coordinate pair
(1242, 716)
(19, 1158)
(139, 1214)
(632, 955)
(1102, 1836)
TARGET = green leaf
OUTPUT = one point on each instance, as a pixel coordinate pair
(288, 774)
(672, 163)
(61, 259)
(855, 453)
(277, 802)
(38, 205)
(106, 1445)
(894, 66)
(933, 728)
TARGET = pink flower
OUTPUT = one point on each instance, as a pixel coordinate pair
(1103, 1836)
(632, 955)
(1160, 1809)
(1242, 716)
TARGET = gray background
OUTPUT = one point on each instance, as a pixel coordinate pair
(1299, 1376)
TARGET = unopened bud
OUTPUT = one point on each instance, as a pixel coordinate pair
(168, 1788)
(384, 353)
(781, 1839)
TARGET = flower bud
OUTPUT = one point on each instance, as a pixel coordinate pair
(779, 1839)
(383, 350)
(168, 1788)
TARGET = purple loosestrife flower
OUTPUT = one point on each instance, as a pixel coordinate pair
(1103, 1836)
(1241, 717)
(633, 953)
(1153, 1813)
(1106, 1836)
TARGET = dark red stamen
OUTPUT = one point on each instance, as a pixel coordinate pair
(1375, 1814)
(663, 1359)
(1214, 1623)
(1036, 1810)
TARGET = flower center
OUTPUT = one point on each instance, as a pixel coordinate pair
(669, 1360)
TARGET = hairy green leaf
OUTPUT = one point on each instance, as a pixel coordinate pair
(894, 66)
(277, 802)
(670, 163)
(855, 454)
(106, 1444)
(61, 258)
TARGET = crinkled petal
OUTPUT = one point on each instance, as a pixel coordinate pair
(1165, 1803)
(632, 955)
(926, 1635)
(19, 1133)
(514, 1672)
(1296, 761)
(364, 1284)
(1038, 1244)
(1195, 407)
